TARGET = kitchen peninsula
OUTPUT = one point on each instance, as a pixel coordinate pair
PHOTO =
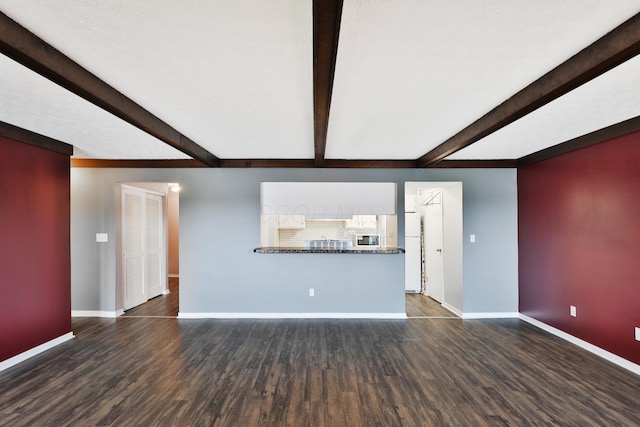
(333, 247)
(285, 250)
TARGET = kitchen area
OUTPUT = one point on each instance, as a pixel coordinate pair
(362, 232)
(328, 217)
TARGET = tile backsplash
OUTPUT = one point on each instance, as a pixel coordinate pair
(319, 229)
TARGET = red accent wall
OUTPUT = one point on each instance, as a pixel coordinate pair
(579, 243)
(35, 277)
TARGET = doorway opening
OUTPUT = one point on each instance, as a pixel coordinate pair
(433, 249)
(148, 257)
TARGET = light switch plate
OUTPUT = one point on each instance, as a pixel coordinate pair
(102, 237)
(573, 311)
(472, 238)
(637, 334)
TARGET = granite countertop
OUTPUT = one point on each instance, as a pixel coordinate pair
(284, 250)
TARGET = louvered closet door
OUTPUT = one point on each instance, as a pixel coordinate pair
(154, 245)
(133, 259)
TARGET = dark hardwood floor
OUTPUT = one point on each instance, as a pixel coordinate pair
(156, 371)
(161, 306)
(418, 305)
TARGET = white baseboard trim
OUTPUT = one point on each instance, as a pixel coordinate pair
(613, 358)
(5, 364)
(166, 292)
(499, 315)
(96, 313)
(452, 309)
(182, 315)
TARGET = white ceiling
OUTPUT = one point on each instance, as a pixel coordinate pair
(32, 102)
(235, 76)
(605, 100)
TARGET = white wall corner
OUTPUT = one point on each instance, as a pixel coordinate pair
(452, 309)
(5, 364)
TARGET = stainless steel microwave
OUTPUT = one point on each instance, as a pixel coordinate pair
(369, 240)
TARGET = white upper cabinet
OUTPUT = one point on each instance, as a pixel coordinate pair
(362, 222)
(325, 200)
(291, 221)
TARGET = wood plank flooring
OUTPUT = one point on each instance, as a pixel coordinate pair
(418, 305)
(163, 305)
(135, 371)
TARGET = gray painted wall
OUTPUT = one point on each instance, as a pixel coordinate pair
(219, 227)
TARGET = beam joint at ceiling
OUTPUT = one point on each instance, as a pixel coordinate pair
(26, 48)
(326, 29)
(18, 134)
(605, 134)
(616, 47)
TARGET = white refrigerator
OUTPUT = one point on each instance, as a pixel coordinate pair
(413, 252)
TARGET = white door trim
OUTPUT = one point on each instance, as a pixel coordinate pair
(137, 266)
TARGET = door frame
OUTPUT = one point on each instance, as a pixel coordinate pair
(138, 186)
(452, 251)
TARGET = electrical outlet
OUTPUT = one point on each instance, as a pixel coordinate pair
(573, 311)
(312, 292)
(102, 237)
(472, 238)
(637, 334)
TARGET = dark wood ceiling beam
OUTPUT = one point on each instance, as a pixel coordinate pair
(370, 164)
(476, 164)
(26, 48)
(267, 163)
(287, 163)
(326, 29)
(309, 163)
(606, 53)
(137, 163)
(18, 134)
(605, 134)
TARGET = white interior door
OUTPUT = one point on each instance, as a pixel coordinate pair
(143, 248)
(133, 265)
(153, 246)
(433, 254)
